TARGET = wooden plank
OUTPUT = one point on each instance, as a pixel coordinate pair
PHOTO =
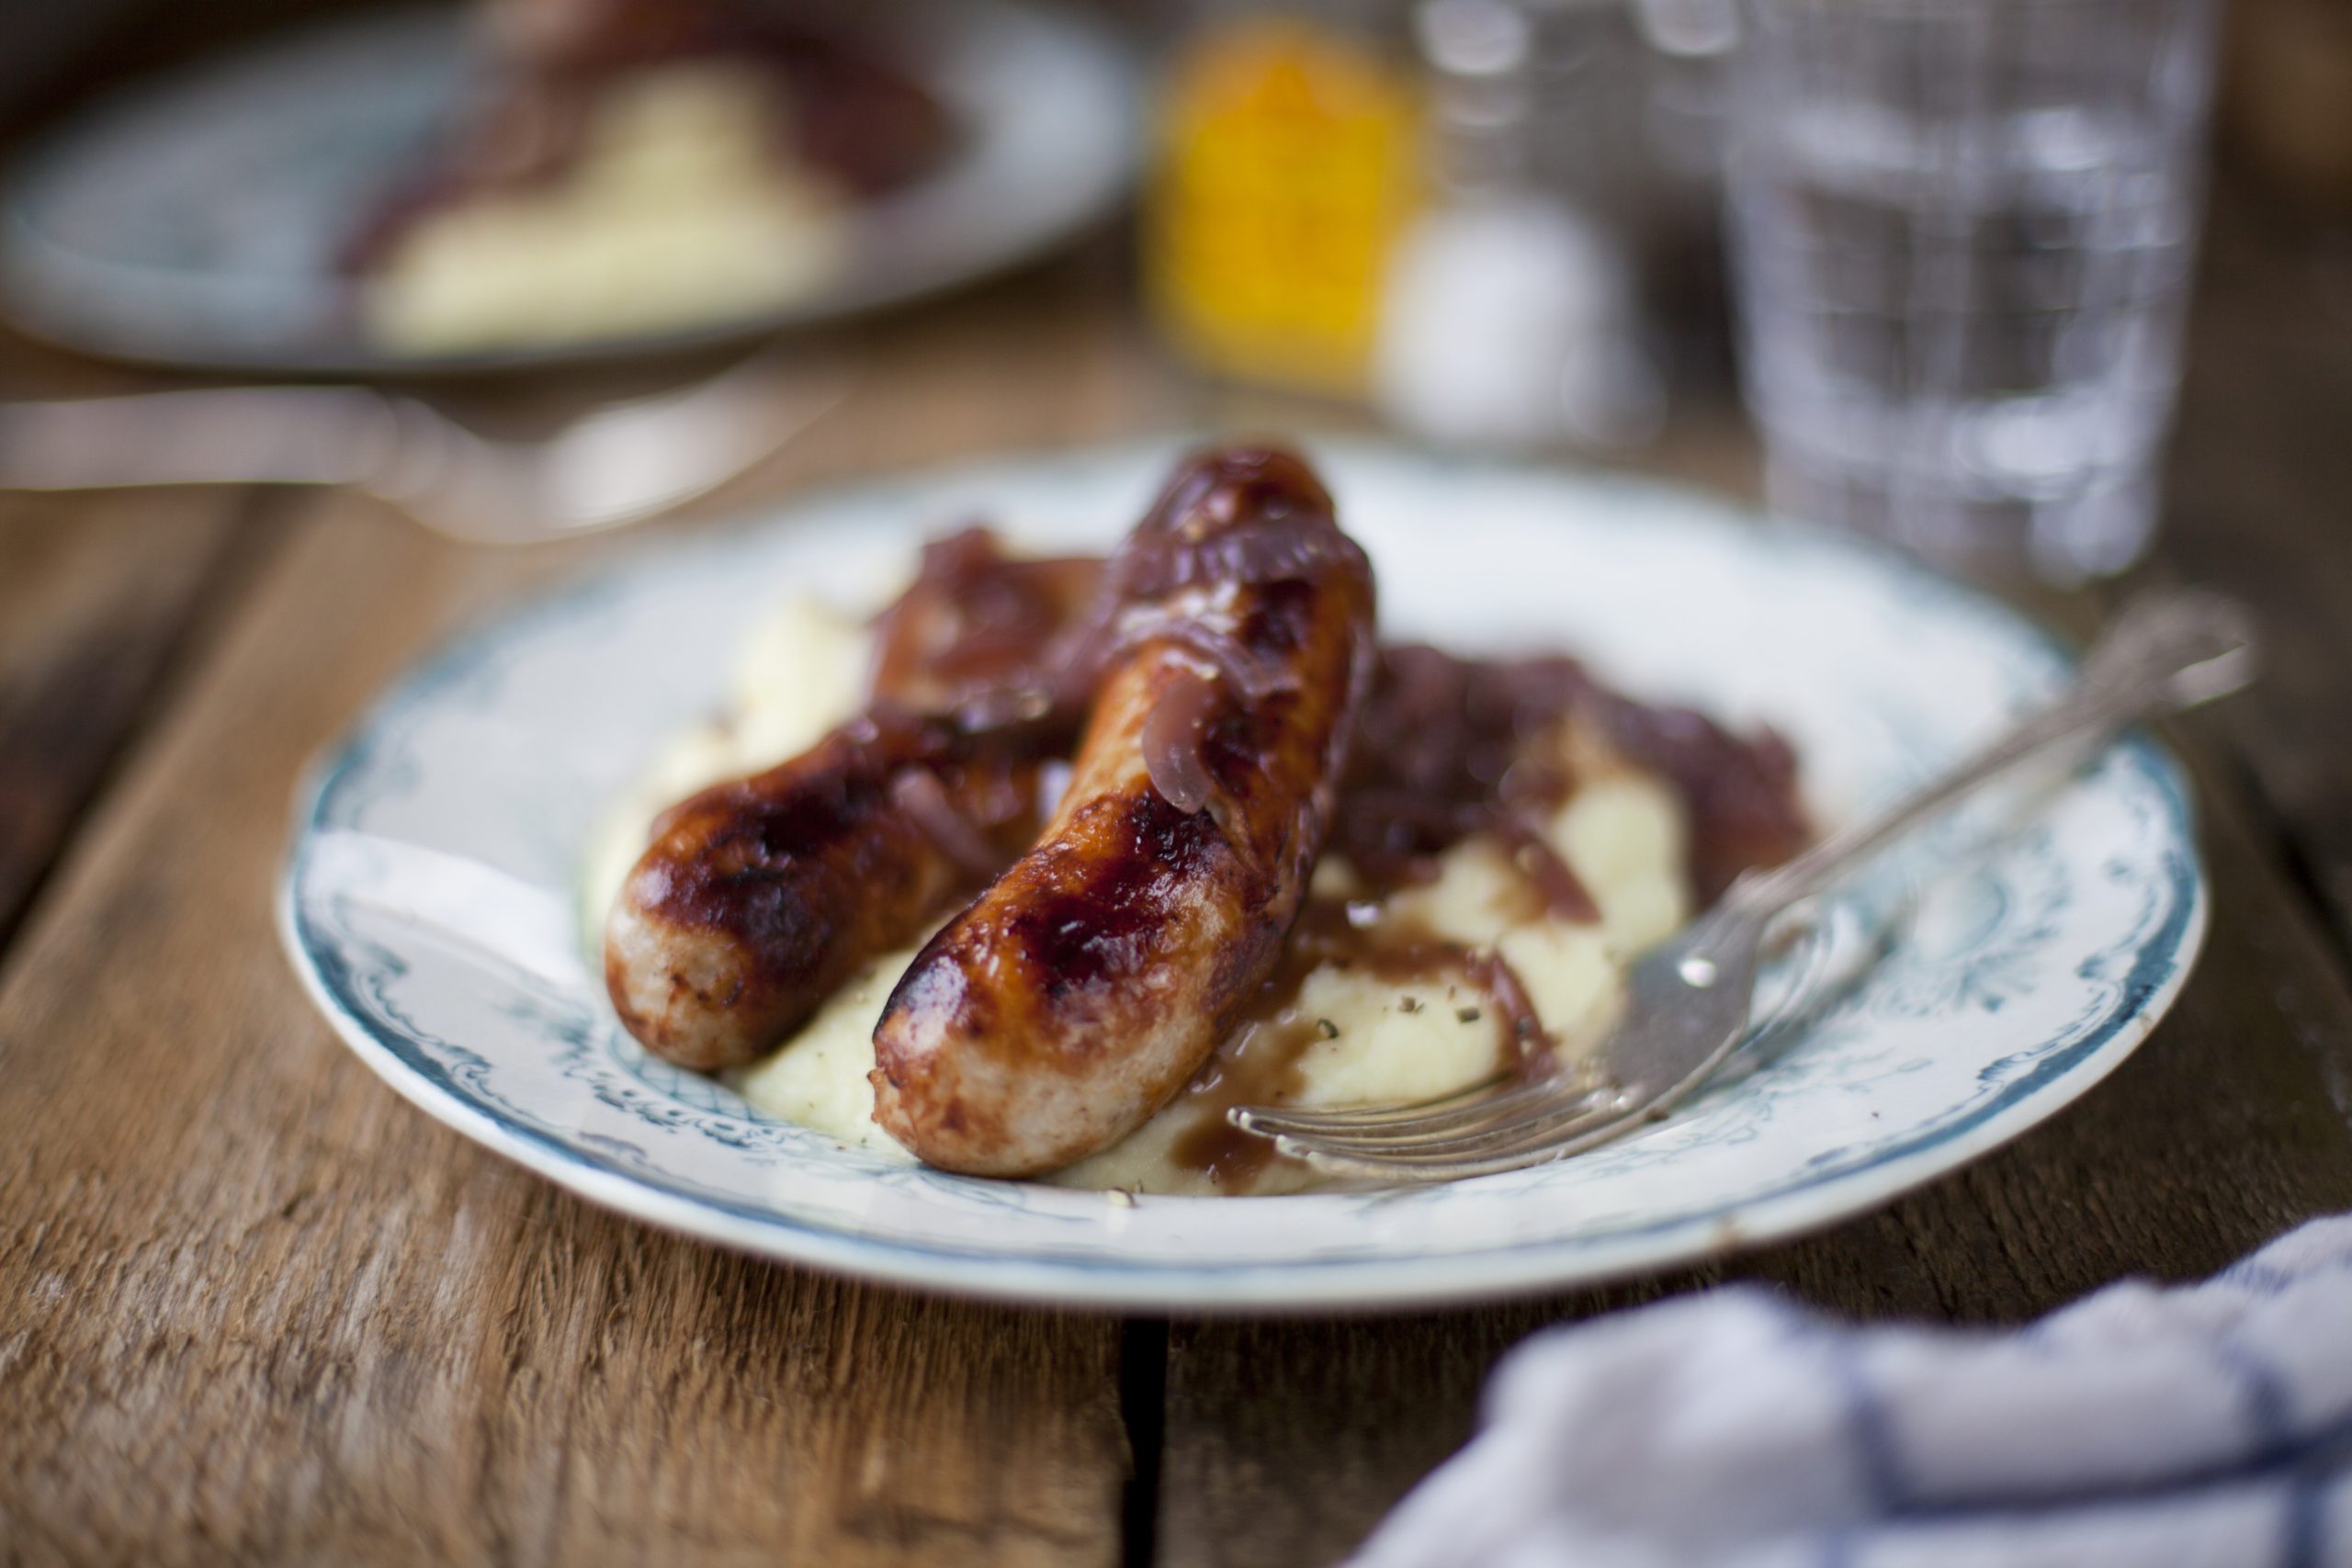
(2256, 507)
(100, 599)
(254, 1307)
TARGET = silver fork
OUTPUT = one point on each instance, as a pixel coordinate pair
(619, 463)
(1688, 1003)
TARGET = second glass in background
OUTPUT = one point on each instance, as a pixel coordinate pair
(1961, 232)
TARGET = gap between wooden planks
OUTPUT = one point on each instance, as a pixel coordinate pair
(102, 601)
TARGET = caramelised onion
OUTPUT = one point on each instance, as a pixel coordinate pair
(1555, 881)
(1225, 812)
(1524, 1033)
(919, 793)
(1247, 676)
(1285, 548)
(1173, 733)
(1006, 707)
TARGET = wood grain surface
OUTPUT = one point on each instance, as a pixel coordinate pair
(2260, 505)
(254, 1308)
(259, 1309)
(99, 604)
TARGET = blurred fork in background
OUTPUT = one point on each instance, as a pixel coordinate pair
(620, 462)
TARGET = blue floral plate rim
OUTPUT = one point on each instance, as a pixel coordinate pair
(1083, 1267)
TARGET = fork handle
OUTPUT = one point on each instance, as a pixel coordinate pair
(2166, 652)
(209, 435)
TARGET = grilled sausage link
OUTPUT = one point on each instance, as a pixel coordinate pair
(1092, 980)
(759, 897)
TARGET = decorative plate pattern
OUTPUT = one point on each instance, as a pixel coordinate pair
(429, 898)
(197, 222)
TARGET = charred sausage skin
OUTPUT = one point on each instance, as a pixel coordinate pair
(760, 896)
(1083, 988)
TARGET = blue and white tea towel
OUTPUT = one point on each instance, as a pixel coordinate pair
(2207, 1424)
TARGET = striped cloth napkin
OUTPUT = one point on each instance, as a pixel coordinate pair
(2203, 1425)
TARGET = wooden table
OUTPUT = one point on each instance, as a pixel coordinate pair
(254, 1308)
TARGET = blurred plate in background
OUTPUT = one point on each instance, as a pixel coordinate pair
(196, 222)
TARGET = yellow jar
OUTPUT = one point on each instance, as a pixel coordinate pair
(1287, 161)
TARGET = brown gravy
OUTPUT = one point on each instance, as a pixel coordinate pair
(1261, 1061)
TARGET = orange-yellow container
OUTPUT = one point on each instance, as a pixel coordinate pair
(1288, 159)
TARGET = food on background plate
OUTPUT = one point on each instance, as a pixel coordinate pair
(631, 166)
(1066, 857)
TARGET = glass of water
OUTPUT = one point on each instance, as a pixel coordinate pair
(1962, 235)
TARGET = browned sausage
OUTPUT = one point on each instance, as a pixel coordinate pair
(1092, 980)
(760, 896)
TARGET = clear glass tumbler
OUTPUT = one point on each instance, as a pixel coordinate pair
(1962, 235)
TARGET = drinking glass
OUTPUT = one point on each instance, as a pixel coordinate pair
(1962, 234)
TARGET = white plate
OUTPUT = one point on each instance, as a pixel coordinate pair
(196, 222)
(428, 900)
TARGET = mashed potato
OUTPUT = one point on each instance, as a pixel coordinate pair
(678, 213)
(1374, 1038)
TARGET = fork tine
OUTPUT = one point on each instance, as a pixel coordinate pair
(1541, 1148)
(1494, 1100)
(1399, 1133)
(1545, 1120)
(1377, 1115)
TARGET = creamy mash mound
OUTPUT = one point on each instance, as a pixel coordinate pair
(1375, 1039)
(678, 212)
